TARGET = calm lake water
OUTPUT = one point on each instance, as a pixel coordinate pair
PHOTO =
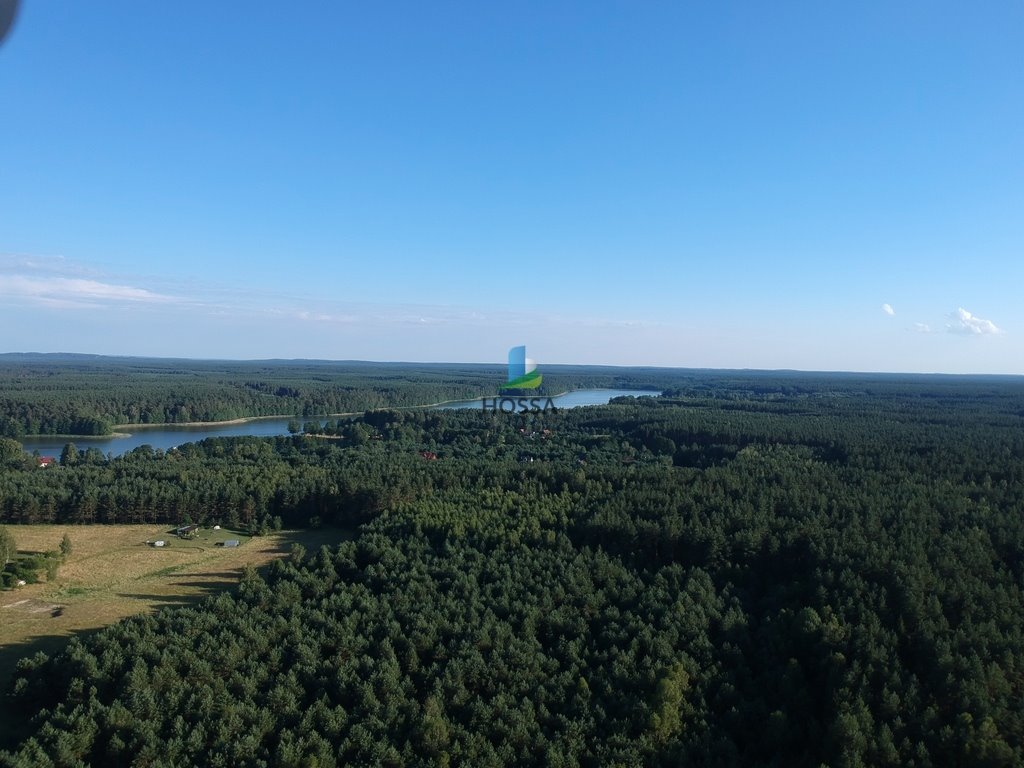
(165, 437)
(569, 399)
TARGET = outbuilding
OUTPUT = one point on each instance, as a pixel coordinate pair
(231, 543)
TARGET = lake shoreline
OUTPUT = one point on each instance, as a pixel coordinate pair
(485, 397)
(248, 419)
(108, 436)
(122, 431)
(223, 423)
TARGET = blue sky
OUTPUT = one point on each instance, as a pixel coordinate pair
(681, 184)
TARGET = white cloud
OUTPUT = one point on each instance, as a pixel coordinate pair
(922, 328)
(76, 292)
(57, 284)
(22, 264)
(887, 308)
(967, 323)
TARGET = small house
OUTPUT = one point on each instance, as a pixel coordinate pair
(429, 455)
(216, 527)
(45, 461)
(231, 543)
(187, 531)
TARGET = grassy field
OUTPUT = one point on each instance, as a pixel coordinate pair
(112, 573)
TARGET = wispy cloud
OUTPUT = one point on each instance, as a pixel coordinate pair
(887, 308)
(966, 323)
(59, 284)
(47, 264)
(922, 328)
(76, 292)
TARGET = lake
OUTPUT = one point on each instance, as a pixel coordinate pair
(567, 400)
(164, 437)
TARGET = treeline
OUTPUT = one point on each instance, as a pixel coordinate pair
(17, 569)
(88, 396)
(768, 578)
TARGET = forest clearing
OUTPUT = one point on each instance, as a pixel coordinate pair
(112, 572)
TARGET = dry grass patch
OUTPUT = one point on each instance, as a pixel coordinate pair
(112, 573)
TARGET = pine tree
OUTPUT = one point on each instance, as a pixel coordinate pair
(8, 547)
(69, 456)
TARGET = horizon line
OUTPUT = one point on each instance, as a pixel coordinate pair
(808, 371)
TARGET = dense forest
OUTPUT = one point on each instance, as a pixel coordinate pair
(759, 570)
(89, 395)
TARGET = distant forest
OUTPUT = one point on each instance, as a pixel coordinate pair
(775, 569)
(87, 395)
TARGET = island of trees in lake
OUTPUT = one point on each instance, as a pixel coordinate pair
(757, 569)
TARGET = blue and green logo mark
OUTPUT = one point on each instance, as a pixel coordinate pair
(522, 374)
(522, 371)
